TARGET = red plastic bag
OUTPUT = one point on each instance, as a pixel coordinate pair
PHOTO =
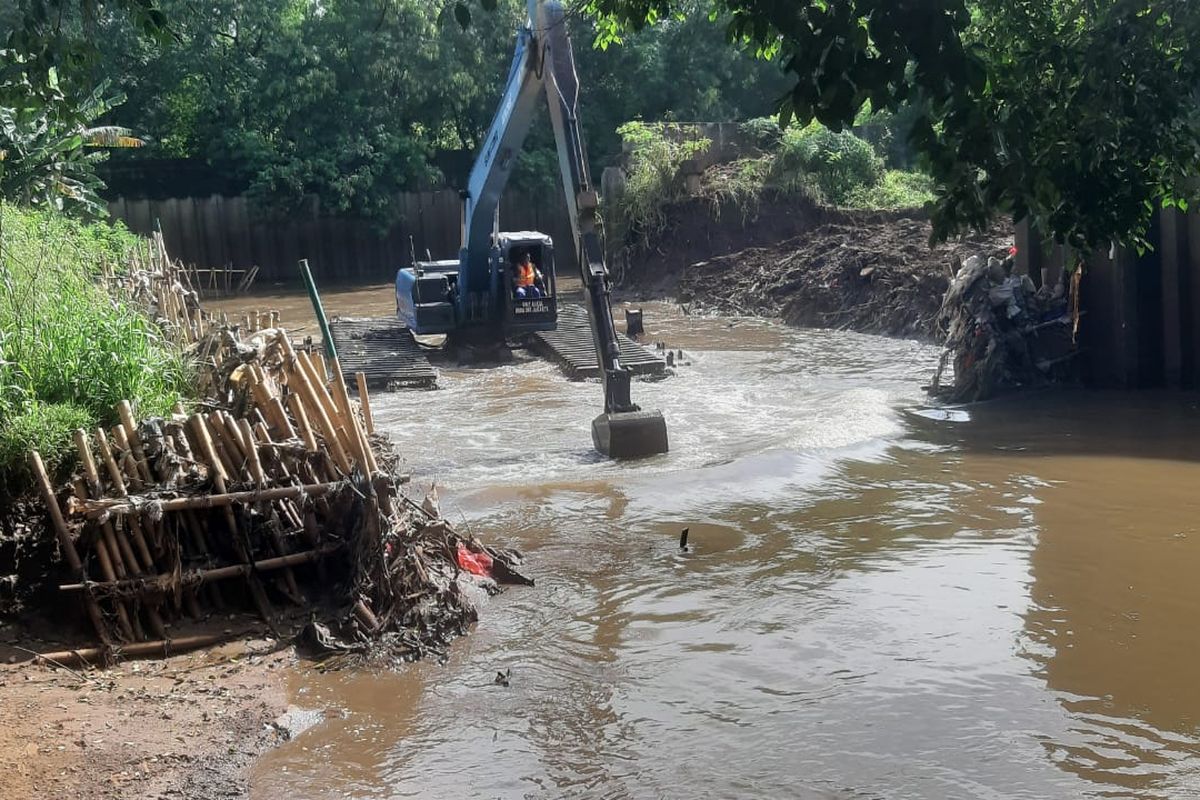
(474, 563)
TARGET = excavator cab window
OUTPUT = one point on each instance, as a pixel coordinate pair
(530, 285)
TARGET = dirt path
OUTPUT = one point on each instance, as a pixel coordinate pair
(181, 727)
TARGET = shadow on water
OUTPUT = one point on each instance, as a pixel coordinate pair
(1147, 424)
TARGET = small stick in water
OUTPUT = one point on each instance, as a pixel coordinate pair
(683, 539)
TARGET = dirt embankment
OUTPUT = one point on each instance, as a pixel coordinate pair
(872, 272)
(181, 727)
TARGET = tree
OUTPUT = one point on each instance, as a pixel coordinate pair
(352, 100)
(48, 107)
(1077, 114)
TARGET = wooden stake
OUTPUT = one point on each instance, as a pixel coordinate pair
(163, 648)
(135, 440)
(118, 484)
(165, 581)
(306, 433)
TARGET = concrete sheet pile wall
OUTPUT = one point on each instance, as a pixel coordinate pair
(217, 231)
(1141, 323)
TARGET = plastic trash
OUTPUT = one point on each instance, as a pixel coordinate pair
(474, 563)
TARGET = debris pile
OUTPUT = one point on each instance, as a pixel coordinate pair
(277, 490)
(866, 273)
(1001, 332)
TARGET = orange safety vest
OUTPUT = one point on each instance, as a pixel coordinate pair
(525, 275)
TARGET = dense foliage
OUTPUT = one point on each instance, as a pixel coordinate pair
(839, 169)
(49, 103)
(352, 100)
(69, 353)
(1080, 116)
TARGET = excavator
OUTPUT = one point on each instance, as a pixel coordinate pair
(479, 297)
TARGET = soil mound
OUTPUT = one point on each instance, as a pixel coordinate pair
(872, 272)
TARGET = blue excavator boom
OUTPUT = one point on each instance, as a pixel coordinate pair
(476, 295)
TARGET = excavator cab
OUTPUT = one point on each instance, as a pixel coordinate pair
(528, 258)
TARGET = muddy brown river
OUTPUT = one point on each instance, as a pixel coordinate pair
(881, 600)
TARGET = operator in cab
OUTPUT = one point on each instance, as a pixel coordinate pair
(527, 279)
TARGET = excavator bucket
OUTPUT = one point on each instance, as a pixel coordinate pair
(631, 434)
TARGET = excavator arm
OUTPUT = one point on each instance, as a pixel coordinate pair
(624, 430)
(543, 60)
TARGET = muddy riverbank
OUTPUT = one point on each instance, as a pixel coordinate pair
(187, 726)
(812, 267)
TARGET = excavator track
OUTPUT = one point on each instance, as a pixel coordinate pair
(384, 350)
(573, 348)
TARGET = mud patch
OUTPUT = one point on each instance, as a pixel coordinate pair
(184, 727)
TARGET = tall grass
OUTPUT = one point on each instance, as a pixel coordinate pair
(68, 352)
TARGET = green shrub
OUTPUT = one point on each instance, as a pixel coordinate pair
(838, 164)
(897, 190)
(68, 352)
(655, 153)
(763, 132)
(42, 427)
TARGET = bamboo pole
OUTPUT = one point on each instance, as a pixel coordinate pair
(297, 409)
(127, 462)
(165, 581)
(365, 401)
(205, 446)
(164, 647)
(319, 383)
(223, 499)
(65, 543)
(135, 440)
(100, 547)
(309, 396)
(242, 427)
(358, 439)
(118, 484)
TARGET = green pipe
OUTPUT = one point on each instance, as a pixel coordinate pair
(318, 309)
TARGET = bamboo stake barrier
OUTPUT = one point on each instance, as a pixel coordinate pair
(276, 470)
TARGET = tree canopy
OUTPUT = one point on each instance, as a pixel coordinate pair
(1080, 115)
(352, 100)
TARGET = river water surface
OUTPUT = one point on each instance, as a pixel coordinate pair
(880, 601)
